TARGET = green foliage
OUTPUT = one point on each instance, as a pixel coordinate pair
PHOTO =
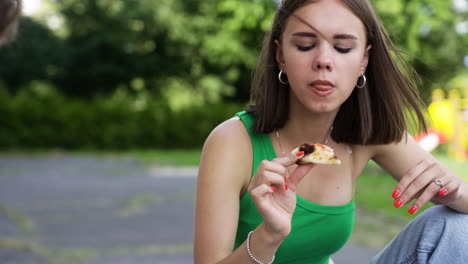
(203, 51)
(425, 31)
(39, 117)
(37, 54)
(133, 65)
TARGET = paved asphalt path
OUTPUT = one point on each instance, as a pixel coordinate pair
(95, 210)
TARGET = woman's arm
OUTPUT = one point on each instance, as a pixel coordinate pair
(225, 170)
(224, 173)
(416, 170)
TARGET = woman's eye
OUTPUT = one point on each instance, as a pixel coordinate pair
(305, 48)
(343, 50)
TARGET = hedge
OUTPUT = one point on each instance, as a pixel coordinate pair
(40, 118)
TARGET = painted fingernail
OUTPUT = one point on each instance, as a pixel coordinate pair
(286, 187)
(273, 188)
(300, 153)
(443, 192)
(412, 209)
(398, 203)
(395, 193)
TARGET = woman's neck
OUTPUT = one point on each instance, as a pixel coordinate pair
(306, 127)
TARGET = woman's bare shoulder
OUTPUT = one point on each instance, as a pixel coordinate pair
(231, 134)
(228, 153)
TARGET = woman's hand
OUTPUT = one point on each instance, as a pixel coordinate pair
(274, 192)
(429, 180)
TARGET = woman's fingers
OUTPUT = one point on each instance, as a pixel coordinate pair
(430, 191)
(259, 191)
(450, 188)
(419, 184)
(427, 181)
(275, 180)
(405, 188)
(271, 174)
(278, 165)
(288, 160)
(298, 175)
(275, 172)
(414, 181)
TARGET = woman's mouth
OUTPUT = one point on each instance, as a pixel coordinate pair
(322, 87)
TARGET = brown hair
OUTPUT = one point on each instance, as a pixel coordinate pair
(9, 13)
(375, 114)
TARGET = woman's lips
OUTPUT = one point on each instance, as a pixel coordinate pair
(322, 88)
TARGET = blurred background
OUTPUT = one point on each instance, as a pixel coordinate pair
(105, 105)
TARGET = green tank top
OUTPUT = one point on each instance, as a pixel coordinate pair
(318, 231)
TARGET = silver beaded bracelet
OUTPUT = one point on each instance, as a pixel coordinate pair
(250, 252)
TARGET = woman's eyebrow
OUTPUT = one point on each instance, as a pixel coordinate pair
(305, 34)
(345, 36)
(313, 35)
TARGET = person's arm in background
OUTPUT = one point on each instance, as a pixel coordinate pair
(10, 11)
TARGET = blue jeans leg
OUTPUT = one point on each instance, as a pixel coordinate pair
(438, 235)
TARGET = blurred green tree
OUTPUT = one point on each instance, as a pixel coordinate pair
(199, 50)
(426, 31)
(37, 54)
(192, 52)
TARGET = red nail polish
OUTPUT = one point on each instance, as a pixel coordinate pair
(395, 193)
(286, 187)
(413, 209)
(398, 203)
(273, 188)
(443, 192)
(300, 153)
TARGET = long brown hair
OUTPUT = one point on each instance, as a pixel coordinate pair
(9, 13)
(376, 114)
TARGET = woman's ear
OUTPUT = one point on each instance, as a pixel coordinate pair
(279, 56)
(365, 58)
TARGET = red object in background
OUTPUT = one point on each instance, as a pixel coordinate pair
(442, 138)
(430, 140)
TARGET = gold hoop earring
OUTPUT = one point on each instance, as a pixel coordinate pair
(281, 80)
(364, 81)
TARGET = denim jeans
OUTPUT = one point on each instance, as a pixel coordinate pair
(439, 235)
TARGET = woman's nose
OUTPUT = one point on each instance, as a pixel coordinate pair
(323, 65)
(323, 61)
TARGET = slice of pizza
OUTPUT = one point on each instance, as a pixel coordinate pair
(316, 153)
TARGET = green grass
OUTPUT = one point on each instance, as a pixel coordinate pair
(459, 168)
(189, 157)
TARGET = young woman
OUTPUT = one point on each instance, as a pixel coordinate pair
(326, 75)
(9, 13)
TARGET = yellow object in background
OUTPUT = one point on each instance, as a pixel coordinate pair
(442, 114)
(448, 117)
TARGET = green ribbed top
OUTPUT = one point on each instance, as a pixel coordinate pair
(318, 231)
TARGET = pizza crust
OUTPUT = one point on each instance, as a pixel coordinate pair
(316, 153)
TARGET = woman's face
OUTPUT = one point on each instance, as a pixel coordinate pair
(323, 52)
